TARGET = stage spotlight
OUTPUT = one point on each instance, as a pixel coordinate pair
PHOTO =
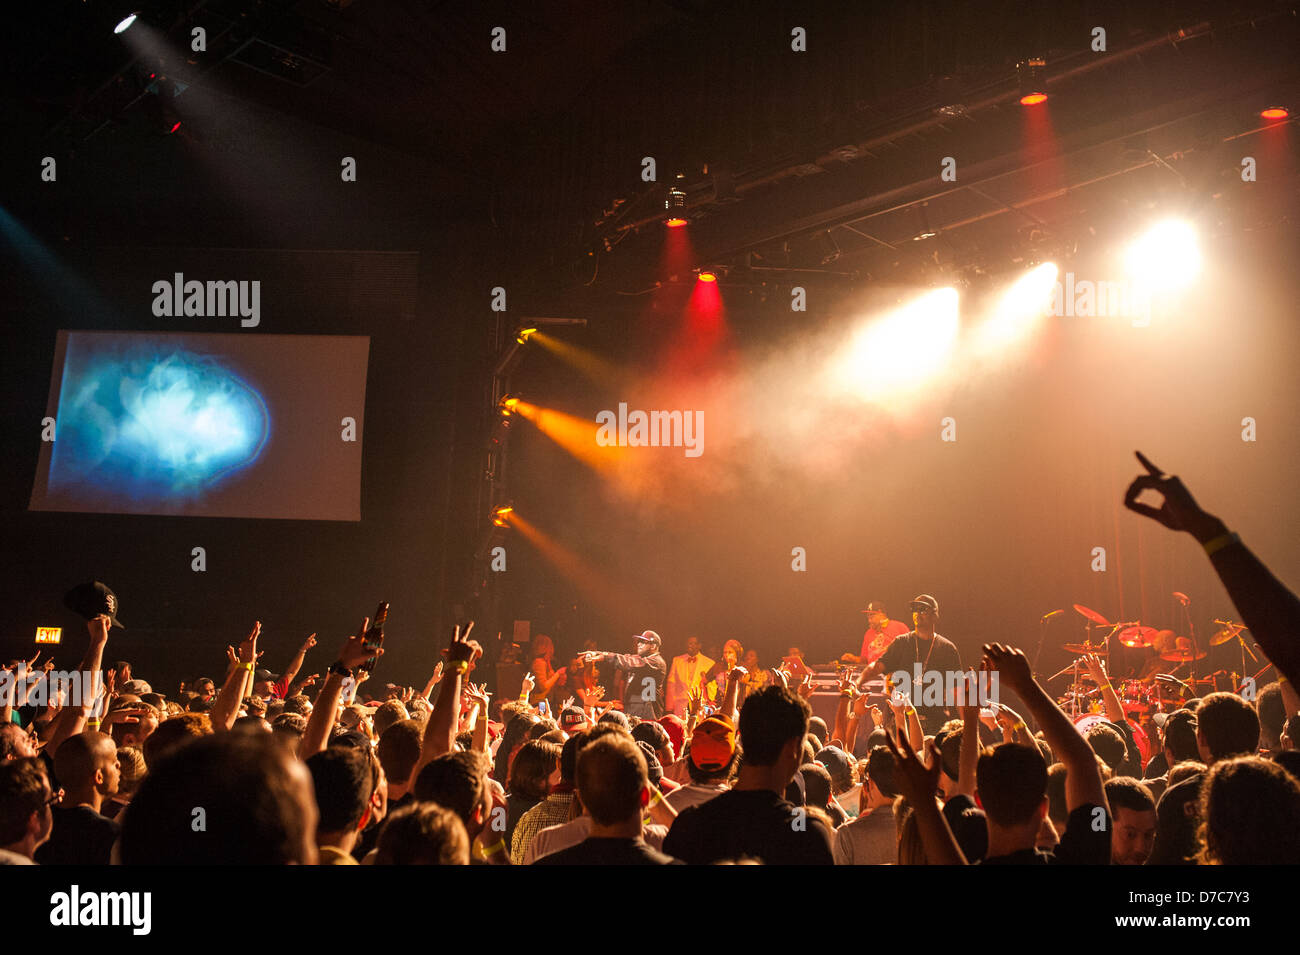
(508, 405)
(1166, 257)
(708, 277)
(525, 333)
(901, 351)
(675, 204)
(125, 23)
(500, 515)
(1031, 74)
(1018, 310)
(1274, 112)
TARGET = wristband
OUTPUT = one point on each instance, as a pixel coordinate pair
(460, 666)
(338, 668)
(1223, 540)
(1019, 726)
(245, 666)
(92, 722)
(494, 849)
(657, 797)
(1106, 686)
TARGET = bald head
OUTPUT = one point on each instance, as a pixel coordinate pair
(88, 761)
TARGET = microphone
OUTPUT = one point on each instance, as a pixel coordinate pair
(1182, 598)
(1047, 616)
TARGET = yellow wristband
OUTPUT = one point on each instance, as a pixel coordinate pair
(1018, 727)
(1106, 686)
(1223, 540)
(494, 849)
(245, 666)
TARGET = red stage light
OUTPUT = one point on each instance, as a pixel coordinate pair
(708, 277)
(1275, 112)
(1033, 99)
(674, 222)
(174, 128)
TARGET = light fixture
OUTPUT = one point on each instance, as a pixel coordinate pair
(507, 405)
(1031, 74)
(501, 514)
(708, 277)
(675, 204)
(523, 334)
(125, 23)
(1275, 112)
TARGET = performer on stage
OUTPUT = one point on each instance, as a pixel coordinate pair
(881, 632)
(646, 674)
(934, 653)
(687, 674)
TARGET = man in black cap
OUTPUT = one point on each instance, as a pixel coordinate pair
(646, 674)
(922, 651)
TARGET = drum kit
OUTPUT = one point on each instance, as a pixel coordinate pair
(1158, 686)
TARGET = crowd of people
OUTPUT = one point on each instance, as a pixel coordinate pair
(256, 770)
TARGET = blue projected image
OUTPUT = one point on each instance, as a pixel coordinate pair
(150, 420)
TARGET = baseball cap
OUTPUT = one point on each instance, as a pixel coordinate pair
(874, 606)
(136, 687)
(649, 636)
(713, 744)
(571, 717)
(92, 599)
(264, 676)
(924, 602)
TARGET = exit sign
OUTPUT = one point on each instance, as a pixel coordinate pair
(49, 634)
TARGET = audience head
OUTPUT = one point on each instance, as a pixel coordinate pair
(1226, 725)
(423, 834)
(256, 801)
(1249, 808)
(1133, 821)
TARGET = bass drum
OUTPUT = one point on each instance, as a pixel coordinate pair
(1088, 720)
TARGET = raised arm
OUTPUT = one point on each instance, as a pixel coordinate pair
(1082, 781)
(731, 703)
(73, 718)
(1267, 606)
(325, 710)
(919, 782)
(440, 733)
(291, 671)
(225, 709)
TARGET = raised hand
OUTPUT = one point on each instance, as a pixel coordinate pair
(248, 647)
(437, 674)
(568, 702)
(308, 681)
(309, 643)
(98, 627)
(1013, 669)
(232, 655)
(354, 651)
(917, 780)
(806, 686)
(737, 673)
(1179, 510)
(529, 684)
(463, 649)
(1095, 668)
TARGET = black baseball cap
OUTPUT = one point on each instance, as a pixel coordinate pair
(924, 602)
(92, 599)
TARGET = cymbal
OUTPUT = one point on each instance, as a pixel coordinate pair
(1083, 647)
(1227, 634)
(1183, 655)
(1138, 636)
(1092, 615)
